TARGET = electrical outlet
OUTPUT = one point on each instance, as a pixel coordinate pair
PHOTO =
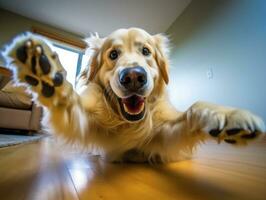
(209, 73)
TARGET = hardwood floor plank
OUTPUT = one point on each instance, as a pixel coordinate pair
(33, 171)
(47, 170)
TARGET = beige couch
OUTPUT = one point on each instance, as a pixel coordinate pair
(17, 110)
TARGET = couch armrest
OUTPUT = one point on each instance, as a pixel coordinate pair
(4, 80)
(35, 121)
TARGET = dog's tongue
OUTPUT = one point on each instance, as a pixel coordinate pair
(133, 104)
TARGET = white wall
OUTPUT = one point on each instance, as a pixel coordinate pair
(230, 38)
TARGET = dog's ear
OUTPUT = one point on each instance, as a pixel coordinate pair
(161, 55)
(94, 43)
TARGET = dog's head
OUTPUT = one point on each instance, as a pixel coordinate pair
(131, 67)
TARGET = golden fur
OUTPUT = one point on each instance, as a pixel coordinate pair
(91, 114)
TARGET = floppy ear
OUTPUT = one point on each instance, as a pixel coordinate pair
(93, 66)
(161, 55)
(94, 46)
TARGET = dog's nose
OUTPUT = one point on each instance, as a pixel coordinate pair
(133, 78)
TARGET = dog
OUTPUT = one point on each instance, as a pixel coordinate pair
(120, 107)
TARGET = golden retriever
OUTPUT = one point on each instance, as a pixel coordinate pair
(120, 107)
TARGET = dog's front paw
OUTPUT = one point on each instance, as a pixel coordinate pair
(35, 64)
(233, 126)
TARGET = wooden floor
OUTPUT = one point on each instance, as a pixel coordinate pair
(45, 170)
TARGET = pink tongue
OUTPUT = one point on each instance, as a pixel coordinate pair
(133, 103)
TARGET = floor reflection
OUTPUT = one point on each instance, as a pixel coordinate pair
(47, 171)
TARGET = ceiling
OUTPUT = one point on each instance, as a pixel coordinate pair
(103, 16)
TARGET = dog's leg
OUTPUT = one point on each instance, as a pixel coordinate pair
(37, 67)
(234, 126)
(177, 134)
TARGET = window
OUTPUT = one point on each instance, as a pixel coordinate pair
(72, 60)
(69, 58)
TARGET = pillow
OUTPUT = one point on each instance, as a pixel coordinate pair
(10, 87)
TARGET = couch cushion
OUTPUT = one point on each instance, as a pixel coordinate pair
(11, 87)
(12, 96)
(15, 100)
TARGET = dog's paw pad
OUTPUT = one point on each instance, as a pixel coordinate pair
(21, 54)
(58, 79)
(215, 132)
(240, 136)
(31, 80)
(47, 89)
(233, 131)
(44, 64)
(34, 55)
(230, 141)
(250, 135)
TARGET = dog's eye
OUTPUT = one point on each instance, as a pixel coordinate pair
(146, 51)
(113, 54)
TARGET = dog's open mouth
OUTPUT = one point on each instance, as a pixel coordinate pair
(133, 107)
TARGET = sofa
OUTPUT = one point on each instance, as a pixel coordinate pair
(17, 110)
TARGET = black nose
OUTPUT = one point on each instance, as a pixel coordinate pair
(133, 78)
